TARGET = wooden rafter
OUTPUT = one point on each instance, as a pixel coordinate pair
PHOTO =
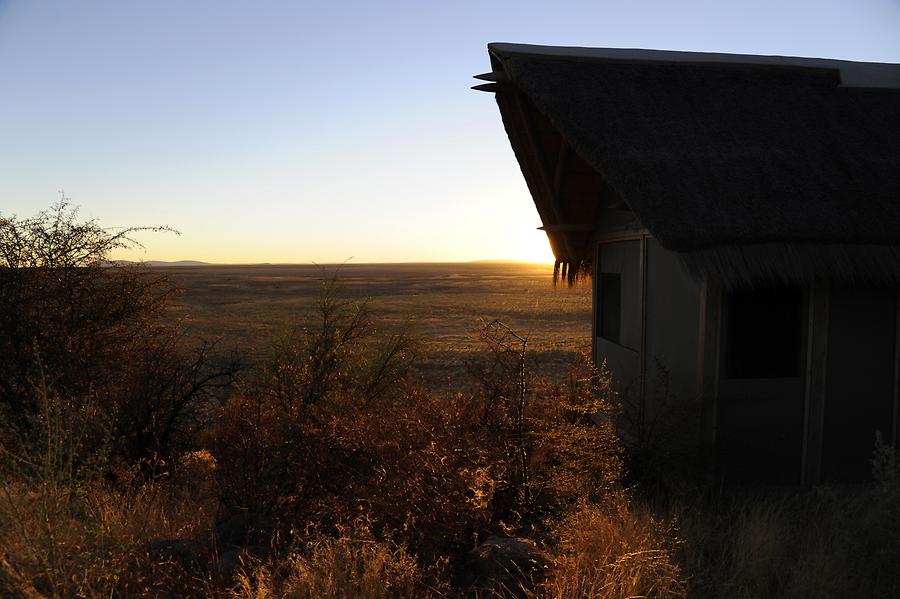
(542, 174)
(568, 228)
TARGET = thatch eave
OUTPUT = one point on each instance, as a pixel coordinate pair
(852, 73)
(789, 263)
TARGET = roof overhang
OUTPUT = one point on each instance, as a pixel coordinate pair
(583, 149)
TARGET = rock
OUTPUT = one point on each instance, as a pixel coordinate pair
(242, 530)
(186, 553)
(507, 564)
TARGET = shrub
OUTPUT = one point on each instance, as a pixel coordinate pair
(90, 328)
(581, 457)
(378, 487)
(431, 472)
(333, 428)
(280, 431)
(551, 442)
(58, 299)
(66, 531)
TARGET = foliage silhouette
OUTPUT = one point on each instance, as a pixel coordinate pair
(95, 327)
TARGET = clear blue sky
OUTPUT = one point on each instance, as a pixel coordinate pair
(317, 131)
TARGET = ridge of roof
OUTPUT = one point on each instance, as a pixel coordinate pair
(853, 73)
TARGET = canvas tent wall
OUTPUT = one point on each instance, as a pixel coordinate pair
(703, 190)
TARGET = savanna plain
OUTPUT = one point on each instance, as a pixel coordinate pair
(402, 430)
(444, 307)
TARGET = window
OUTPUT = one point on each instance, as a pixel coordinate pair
(764, 333)
(609, 316)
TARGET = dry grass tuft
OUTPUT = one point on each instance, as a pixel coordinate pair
(337, 568)
(615, 552)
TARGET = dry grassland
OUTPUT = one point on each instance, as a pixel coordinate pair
(442, 305)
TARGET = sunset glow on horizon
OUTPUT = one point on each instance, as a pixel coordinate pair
(290, 132)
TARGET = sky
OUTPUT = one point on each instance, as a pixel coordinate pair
(299, 132)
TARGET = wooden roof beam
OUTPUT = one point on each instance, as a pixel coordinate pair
(494, 77)
(568, 228)
(545, 179)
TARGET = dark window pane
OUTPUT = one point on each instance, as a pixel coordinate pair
(764, 333)
(610, 317)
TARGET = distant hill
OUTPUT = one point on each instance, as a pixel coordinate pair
(177, 263)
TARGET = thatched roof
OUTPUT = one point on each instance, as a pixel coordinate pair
(750, 167)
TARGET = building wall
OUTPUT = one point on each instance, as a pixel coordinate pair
(621, 355)
(817, 424)
(672, 364)
(860, 379)
(654, 358)
(672, 344)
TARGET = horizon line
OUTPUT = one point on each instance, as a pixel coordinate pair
(314, 263)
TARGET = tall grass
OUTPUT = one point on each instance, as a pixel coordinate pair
(66, 531)
(352, 565)
(618, 551)
(825, 542)
(69, 531)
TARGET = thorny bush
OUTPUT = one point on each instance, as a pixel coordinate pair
(335, 427)
(87, 327)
